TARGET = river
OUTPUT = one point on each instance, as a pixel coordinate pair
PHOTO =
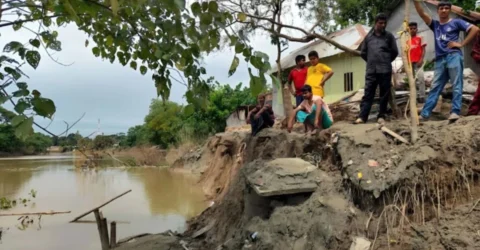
(160, 200)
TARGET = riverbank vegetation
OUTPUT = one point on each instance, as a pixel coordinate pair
(169, 124)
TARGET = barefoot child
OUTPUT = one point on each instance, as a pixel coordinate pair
(309, 114)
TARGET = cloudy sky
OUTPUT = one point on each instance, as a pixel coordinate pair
(117, 95)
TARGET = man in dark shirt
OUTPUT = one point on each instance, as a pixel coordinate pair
(379, 49)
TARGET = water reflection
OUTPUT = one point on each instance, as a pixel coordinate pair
(159, 201)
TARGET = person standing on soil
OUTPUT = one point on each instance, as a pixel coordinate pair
(318, 74)
(298, 76)
(313, 112)
(448, 56)
(261, 116)
(474, 108)
(379, 49)
(417, 55)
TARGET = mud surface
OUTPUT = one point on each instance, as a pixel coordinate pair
(369, 185)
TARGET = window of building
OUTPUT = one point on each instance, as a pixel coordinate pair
(348, 82)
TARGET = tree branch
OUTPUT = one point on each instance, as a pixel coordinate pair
(308, 35)
(27, 20)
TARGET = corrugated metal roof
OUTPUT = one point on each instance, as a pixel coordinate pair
(350, 37)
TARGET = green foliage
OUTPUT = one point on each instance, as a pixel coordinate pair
(6, 203)
(149, 36)
(136, 136)
(35, 143)
(102, 142)
(348, 12)
(169, 123)
(163, 121)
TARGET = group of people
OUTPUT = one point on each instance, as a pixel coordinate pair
(379, 50)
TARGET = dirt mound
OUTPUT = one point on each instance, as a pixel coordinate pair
(446, 157)
(301, 221)
(369, 186)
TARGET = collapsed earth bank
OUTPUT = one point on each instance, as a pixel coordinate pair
(351, 187)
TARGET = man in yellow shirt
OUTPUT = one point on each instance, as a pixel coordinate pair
(317, 74)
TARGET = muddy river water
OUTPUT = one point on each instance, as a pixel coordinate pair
(160, 200)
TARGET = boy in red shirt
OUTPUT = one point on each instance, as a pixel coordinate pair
(298, 76)
(417, 54)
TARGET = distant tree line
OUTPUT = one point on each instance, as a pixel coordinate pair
(167, 124)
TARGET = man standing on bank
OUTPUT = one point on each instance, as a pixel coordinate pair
(448, 56)
(379, 49)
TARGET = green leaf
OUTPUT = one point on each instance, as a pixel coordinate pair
(180, 4)
(33, 58)
(196, 8)
(35, 42)
(18, 119)
(275, 81)
(21, 93)
(109, 41)
(143, 70)
(36, 93)
(189, 109)
(15, 74)
(256, 85)
(133, 65)
(17, 26)
(114, 5)
(24, 129)
(55, 45)
(96, 51)
(204, 6)
(189, 96)
(242, 17)
(233, 66)
(3, 98)
(12, 46)
(86, 43)
(213, 6)
(21, 106)
(43, 107)
(239, 48)
(22, 85)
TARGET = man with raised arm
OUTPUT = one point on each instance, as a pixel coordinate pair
(448, 55)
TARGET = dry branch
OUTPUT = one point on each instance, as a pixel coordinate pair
(104, 204)
(38, 213)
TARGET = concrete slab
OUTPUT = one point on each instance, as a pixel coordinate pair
(283, 176)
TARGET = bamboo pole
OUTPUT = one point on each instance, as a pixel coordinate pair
(38, 213)
(113, 234)
(102, 229)
(407, 65)
(96, 208)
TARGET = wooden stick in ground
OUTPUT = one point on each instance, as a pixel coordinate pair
(96, 208)
(38, 213)
(405, 43)
(102, 230)
(113, 234)
(395, 135)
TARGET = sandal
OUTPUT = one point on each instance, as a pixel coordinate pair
(358, 121)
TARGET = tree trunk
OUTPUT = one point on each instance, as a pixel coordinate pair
(405, 45)
(287, 100)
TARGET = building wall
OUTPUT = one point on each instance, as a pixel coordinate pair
(341, 64)
(237, 118)
(395, 23)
